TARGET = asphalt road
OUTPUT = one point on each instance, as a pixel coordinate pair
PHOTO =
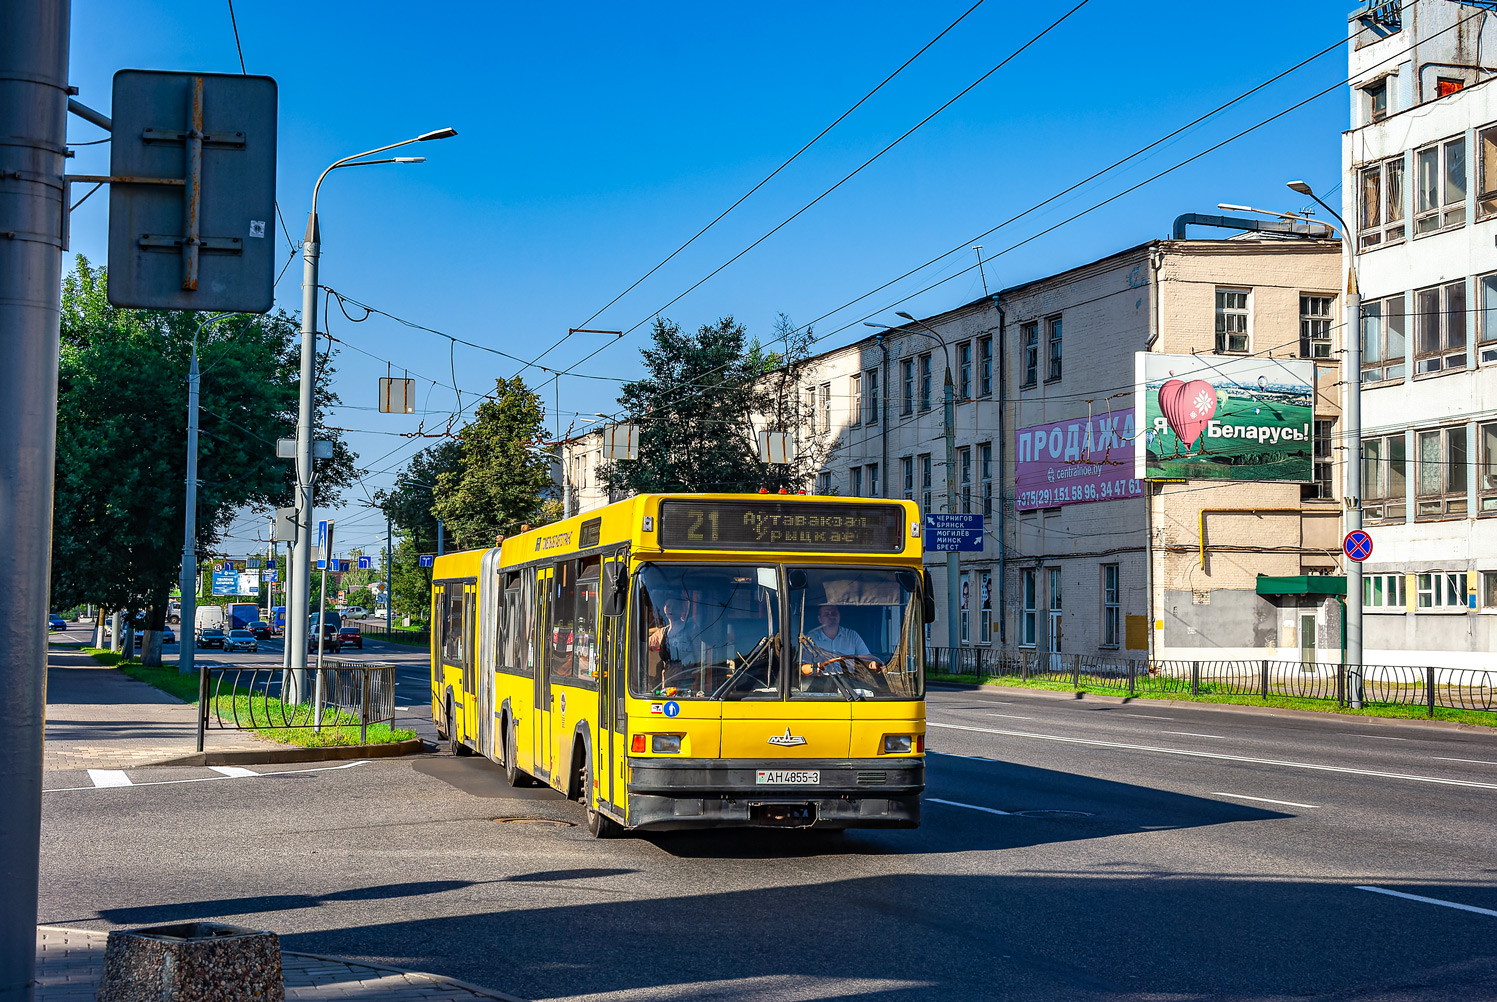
(1071, 849)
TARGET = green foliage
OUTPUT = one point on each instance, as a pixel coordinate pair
(121, 440)
(409, 505)
(410, 583)
(702, 404)
(500, 481)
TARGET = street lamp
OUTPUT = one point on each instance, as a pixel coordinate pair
(1351, 415)
(953, 635)
(296, 600)
(186, 624)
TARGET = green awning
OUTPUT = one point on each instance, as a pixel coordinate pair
(1302, 584)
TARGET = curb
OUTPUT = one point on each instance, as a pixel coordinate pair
(279, 756)
(1190, 704)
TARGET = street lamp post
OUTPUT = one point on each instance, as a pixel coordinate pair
(948, 422)
(297, 597)
(187, 621)
(1351, 417)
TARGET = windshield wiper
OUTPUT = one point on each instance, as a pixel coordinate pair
(744, 663)
(839, 677)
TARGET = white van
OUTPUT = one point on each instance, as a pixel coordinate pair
(209, 617)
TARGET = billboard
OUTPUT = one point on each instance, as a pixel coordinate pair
(1224, 417)
(1075, 462)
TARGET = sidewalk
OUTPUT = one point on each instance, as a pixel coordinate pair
(100, 718)
(69, 963)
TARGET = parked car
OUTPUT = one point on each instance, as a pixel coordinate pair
(262, 630)
(56, 622)
(351, 636)
(211, 637)
(241, 640)
(330, 641)
(168, 635)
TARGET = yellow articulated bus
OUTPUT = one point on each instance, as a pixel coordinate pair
(696, 661)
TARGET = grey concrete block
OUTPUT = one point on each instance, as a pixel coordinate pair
(192, 962)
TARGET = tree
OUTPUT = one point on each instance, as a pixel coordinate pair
(500, 481)
(121, 441)
(702, 405)
(409, 505)
(410, 583)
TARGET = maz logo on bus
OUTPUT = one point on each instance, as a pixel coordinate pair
(787, 740)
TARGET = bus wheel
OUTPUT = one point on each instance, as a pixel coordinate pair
(599, 825)
(512, 773)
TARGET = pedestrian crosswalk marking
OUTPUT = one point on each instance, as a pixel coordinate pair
(235, 771)
(109, 777)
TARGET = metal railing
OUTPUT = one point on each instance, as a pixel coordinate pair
(1393, 685)
(341, 694)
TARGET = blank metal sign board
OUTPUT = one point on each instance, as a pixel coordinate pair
(192, 205)
(397, 395)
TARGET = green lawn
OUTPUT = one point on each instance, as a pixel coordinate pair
(1400, 710)
(338, 727)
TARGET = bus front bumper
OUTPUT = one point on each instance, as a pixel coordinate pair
(669, 794)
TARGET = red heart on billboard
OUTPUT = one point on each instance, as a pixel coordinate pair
(1187, 407)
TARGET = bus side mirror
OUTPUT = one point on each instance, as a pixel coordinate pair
(614, 588)
(930, 597)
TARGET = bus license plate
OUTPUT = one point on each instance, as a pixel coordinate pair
(788, 777)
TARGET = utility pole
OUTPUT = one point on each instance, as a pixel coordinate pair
(33, 117)
(389, 591)
(187, 642)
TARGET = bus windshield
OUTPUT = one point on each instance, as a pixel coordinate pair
(856, 632)
(708, 631)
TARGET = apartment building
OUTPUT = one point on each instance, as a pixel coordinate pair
(1419, 189)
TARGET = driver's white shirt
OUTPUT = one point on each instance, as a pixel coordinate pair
(845, 642)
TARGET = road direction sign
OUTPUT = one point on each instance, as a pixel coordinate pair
(1357, 545)
(960, 533)
(192, 199)
(324, 544)
(428, 559)
(365, 563)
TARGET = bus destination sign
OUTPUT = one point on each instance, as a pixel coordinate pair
(781, 525)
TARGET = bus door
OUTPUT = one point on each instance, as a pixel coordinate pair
(612, 725)
(541, 731)
(473, 705)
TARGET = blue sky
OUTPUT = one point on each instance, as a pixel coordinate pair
(595, 138)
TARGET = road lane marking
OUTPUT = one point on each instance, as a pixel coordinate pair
(970, 807)
(1266, 800)
(1380, 737)
(1220, 756)
(1473, 761)
(1193, 734)
(207, 779)
(1150, 716)
(108, 777)
(233, 771)
(1013, 716)
(1429, 901)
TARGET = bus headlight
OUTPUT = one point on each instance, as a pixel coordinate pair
(898, 744)
(665, 744)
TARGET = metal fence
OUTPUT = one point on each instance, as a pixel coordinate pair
(1406, 685)
(340, 694)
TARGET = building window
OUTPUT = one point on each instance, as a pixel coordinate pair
(985, 471)
(1446, 86)
(1320, 486)
(1376, 96)
(1027, 622)
(1486, 319)
(856, 482)
(824, 483)
(1112, 607)
(1440, 488)
(1486, 469)
(985, 608)
(873, 490)
(1440, 186)
(1382, 220)
(1055, 611)
(1231, 321)
(907, 372)
(1053, 330)
(811, 409)
(826, 407)
(907, 474)
(855, 409)
(870, 380)
(1315, 326)
(1383, 339)
(1489, 590)
(964, 466)
(925, 382)
(1384, 476)
(1486, 173)
(965, 616)
(1030, 335)
(1383, 591)
(985, 367)
(1440, 325)
(1441, 591)
(925, 487)
(964, 371)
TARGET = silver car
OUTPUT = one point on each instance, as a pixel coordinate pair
(241, 640)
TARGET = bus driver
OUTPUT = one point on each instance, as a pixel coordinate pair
(831, 638)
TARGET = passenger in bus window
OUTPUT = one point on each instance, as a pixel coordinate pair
(831, 638)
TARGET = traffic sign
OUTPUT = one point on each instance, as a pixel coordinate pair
(324, 544)
(428, 559)
(365, 563)
(960, 533)
(1357, 545)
